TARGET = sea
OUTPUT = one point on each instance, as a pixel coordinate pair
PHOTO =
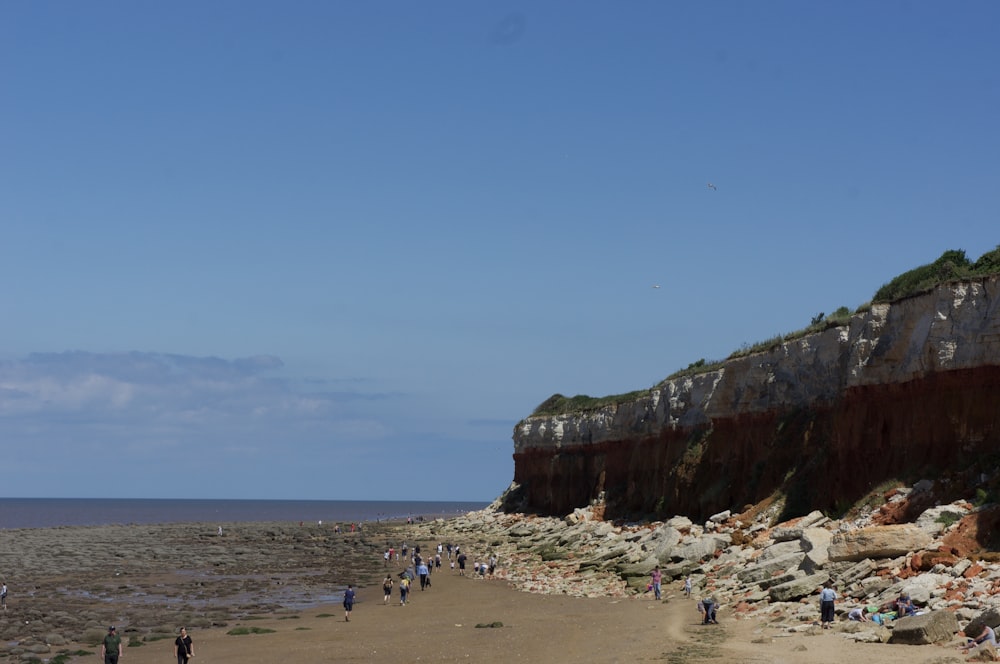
(54, 512)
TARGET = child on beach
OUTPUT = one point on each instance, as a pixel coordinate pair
(387, 588)
(349, 595)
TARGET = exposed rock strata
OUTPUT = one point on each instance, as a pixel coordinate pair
(903, 390)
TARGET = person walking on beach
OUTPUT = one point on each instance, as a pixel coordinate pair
(404, 590)
(655, 580)
(3, 596)
(687, 587)
(183, 647)
(387, 588)
(827, 597)
(111, 647)
(422, 573)
(349, 595)
(461, 564)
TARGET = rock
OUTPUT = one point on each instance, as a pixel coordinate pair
(782, 549)
(680, 523)
(765, 569)
(857, 572)
(877, 635)
(934, 520)
(700, 549)
(797, 589)
(788, 534)
(779, 579)
(959, 568)
(878, 542)
(990, 616)
(641, 568)
(933, 627)
(984, 653)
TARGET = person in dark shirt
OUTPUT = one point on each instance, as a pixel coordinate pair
(183, 647)
(111, 647)
(349, 595)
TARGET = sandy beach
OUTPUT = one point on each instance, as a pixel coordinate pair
(440, 625)
(459, 618)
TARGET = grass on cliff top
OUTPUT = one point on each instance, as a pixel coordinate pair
(953, 265)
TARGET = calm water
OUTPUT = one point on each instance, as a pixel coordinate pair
(49, 512)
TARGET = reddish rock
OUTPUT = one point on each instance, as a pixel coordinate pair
(924, 561)
(975, 570)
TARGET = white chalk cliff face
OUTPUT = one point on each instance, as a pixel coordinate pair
(901, 377)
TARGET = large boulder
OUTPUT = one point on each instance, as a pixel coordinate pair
(933, 627)
(878, 542)
(935, 519)
(701, 548)
(990, 616)
(765, 569)
(856, 572)
(797, 589)
(816, 543)
(782, 549)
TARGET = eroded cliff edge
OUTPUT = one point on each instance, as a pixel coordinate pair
(905, 390)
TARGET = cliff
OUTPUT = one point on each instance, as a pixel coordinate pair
(905, 390)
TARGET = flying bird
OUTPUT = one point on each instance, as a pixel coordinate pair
(712, 187)
(656, 285)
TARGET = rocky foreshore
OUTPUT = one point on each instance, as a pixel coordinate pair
(67, 584)
(756, 568)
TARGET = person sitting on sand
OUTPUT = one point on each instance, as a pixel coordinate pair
(904, 606)
(986, 636)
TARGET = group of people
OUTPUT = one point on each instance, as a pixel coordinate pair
(111, 646)
(656, 584)
(900, 607)
(708, 607)
(422, 569)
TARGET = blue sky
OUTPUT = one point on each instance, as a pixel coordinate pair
(336, 250)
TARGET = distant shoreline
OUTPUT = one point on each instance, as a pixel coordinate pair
(55, 512)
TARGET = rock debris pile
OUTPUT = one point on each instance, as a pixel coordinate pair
(757, 568)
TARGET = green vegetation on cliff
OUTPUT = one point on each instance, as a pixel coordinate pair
(953, 265)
